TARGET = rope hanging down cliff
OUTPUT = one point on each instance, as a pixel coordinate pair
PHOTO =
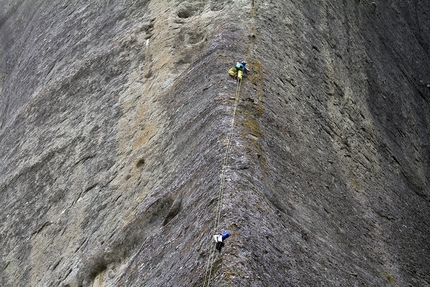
(211, 256)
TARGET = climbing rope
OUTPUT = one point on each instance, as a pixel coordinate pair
(211, 256)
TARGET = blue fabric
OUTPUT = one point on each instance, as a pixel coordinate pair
(225, 234)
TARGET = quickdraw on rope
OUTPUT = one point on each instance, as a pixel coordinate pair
(211, 256)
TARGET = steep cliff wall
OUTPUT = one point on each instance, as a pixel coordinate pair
(114, 125)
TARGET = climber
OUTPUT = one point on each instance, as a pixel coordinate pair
(219, 240)
(237, 71)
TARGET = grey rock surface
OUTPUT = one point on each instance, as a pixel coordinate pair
(115, 118)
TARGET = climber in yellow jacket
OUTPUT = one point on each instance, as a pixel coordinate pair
(237, 71)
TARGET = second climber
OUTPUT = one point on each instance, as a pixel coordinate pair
(219, 240)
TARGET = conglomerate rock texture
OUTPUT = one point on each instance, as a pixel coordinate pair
(115, 120)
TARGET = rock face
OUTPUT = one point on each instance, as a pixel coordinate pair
(115, 143)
